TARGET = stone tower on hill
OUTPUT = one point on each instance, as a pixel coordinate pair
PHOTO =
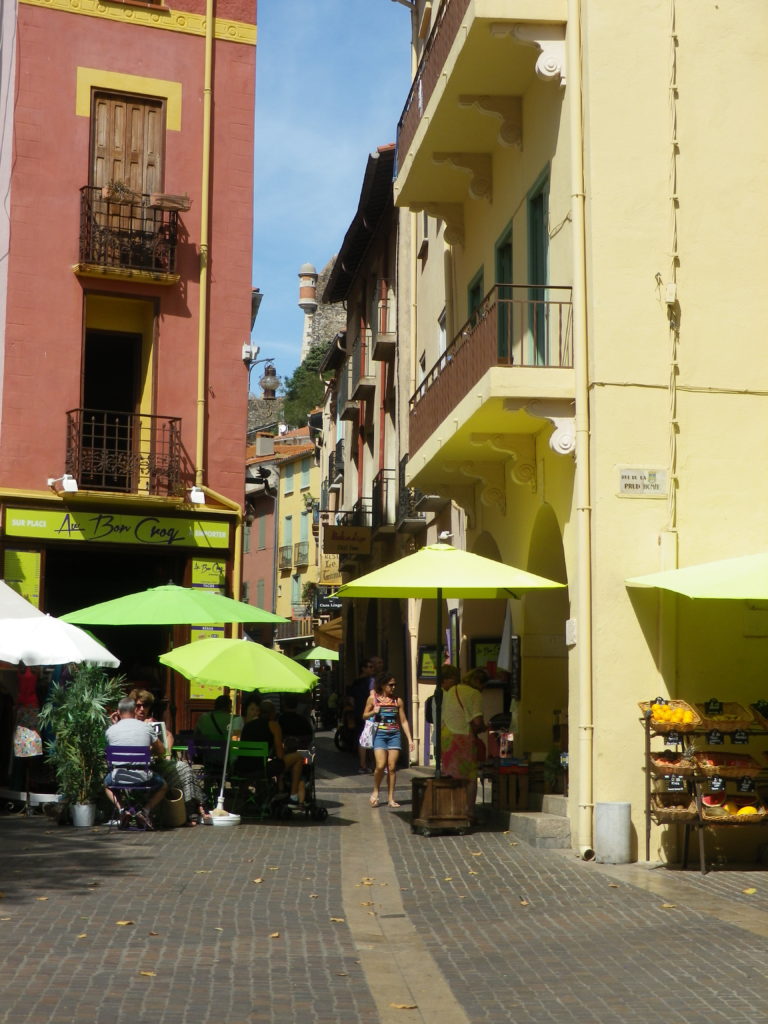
(322, 321)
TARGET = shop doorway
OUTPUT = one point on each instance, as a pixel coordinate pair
(80, 575)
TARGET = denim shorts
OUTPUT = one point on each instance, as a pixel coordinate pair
(386, 740)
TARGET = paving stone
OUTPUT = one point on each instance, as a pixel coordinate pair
(520, 934)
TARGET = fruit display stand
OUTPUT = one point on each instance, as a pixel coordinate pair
(701, 789)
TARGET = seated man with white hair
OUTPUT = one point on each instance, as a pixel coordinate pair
(128, 731)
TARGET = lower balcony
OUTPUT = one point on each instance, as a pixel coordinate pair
(515, 350)
(127, 236)
(285, 557)
(129, 453)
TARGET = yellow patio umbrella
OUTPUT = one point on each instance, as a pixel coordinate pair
(730, 579)
(439, 571)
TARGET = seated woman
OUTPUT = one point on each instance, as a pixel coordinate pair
(177, 774)
(264, 728)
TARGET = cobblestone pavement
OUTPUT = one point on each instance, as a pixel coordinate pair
(335, 922)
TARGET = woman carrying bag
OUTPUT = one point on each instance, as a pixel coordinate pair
(386, 712)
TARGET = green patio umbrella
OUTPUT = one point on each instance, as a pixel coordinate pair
(317, 654)
(240, 664)
(732, 579)
(439, 571)
(170, 606)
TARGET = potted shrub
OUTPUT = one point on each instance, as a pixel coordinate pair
(77, 713)
(118, 192)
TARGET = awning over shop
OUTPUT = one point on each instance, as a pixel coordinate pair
(734, 579)
(330, 634)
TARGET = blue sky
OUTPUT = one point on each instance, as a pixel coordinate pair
(332, 77)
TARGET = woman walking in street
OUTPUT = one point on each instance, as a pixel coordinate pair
(388, 714)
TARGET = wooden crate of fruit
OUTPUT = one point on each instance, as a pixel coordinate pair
(733, 810)
(726, 764)
(672, 716)
(668, 808)
(732, 717)
(669, 762)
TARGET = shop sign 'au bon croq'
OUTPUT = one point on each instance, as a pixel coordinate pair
(111, 528)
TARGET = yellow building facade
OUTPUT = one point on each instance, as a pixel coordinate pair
(587, 375)
(297, 569)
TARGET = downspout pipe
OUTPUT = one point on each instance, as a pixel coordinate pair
(202, 322)
(585, 789)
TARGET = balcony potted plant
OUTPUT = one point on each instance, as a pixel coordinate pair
(118, 192)
(77, 713)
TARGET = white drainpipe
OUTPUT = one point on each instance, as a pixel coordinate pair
(583, 498)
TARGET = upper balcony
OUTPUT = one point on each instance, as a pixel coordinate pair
(514, 352)
(363, 382)
(348, 407)
(129, 453)
(466, 98)
(125, 235)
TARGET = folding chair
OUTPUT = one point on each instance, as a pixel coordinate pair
(131, 771)
(250, 778)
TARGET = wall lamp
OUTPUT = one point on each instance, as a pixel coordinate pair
(63, 484)
(197, 495)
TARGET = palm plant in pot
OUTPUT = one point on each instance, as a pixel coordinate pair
(77, 713)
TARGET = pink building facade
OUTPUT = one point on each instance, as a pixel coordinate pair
(127, 300)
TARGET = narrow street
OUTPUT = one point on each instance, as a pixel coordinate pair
(356, 919)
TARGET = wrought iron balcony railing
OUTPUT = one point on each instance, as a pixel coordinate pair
(301, 553)
(428, 73)
(383, 499)
(127, 452)
(284, 553)
(127, 235)
(409, 518)
(514, 325)
(358, 515)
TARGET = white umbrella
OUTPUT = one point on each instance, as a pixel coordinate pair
(44, 640)
(14, 606)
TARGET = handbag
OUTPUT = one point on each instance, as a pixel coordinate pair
(368, 734)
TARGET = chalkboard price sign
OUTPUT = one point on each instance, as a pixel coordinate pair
(675, 783)
(717, 784)
(673, 736)
(714, 707)
(715, 737)
(746, 784)
(740, 736)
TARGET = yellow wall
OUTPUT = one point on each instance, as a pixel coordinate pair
(292, 504)
(719, 423)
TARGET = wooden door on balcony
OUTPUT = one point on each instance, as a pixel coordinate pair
(504, 307)
(538, 251)
(127, 141)
(111, 389)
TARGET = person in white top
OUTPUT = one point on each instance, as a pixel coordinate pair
(128, 731)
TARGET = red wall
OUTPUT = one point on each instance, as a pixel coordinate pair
(45, 298)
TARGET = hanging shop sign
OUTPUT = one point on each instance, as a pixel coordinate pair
(325, 604)
(347, 540)
(114, 528)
